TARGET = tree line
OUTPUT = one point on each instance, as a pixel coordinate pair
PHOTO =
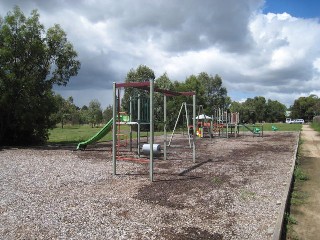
(33, 60)
(210, 94)
(68, 113)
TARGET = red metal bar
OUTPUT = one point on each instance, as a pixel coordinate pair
(139, 160)
(133, 84)
(146, 85)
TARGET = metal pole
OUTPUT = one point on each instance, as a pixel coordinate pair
(175, 125)
(187, 117)
(114, 131)
(227, 132)
(151, 129)
(165, 127)
(138, 130)
(130, 120)
(210, 130)
(194, 129)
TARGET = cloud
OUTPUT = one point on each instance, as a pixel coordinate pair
(256, 54)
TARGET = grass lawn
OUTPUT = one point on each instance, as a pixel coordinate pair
(78, 133)
(282, 126)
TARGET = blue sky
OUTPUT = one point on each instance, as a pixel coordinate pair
(259, 48)
(296, 8)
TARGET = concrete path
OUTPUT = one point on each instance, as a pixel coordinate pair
(308, 214)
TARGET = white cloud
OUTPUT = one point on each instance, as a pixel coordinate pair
(316, 64)
(271, 55)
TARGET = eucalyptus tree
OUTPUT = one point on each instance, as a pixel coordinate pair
(32, 60)
(95, 112)
(275, 111)
(141, 74)
(215, 95)
(305, 107)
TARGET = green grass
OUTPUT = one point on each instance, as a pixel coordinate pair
(73, 134)
(279, 126)
(290, 219)
(79, 133)
(282, 126)
(298, 197)
(316, 126)
(299, 174)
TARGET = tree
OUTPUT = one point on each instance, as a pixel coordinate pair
(275, 111)
(210, 93)
(215, 94)
(31, 62)
(67, 112)
(236, 107)
(162, 82)
(95, 112)
(141, 74)
(260, 108)
(305, 107)
(107, 113)
(84, 115)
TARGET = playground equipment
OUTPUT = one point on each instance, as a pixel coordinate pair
(183, 106)
(256, 130)
(97, 136)
(156, 149)
(204, 125)
(221, 124)
(153, 149)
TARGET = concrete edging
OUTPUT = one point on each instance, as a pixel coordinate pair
(278, 229)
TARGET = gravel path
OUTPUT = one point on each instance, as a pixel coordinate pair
(232, 192)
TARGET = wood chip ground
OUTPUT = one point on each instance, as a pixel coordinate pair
(232, 191)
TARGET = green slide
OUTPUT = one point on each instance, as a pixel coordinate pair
(97, 136)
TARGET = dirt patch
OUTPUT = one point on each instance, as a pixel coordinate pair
(191, 233)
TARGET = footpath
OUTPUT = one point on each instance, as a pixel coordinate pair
(308, 214)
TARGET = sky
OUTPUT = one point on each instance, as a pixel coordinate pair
(266, 48)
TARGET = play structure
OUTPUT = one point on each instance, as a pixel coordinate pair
(220, 124)
(225, 123)
(151, 149)
(141, 112)
(140, 116)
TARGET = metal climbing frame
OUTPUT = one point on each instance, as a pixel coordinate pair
(149, 86)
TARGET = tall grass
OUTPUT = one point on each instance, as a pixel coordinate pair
(316, 126)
